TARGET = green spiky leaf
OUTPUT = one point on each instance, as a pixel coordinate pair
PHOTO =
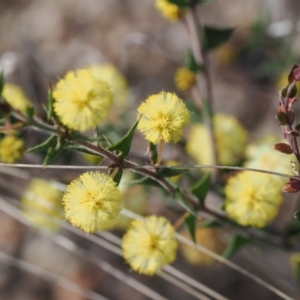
(237, 242)
(118, 176)
(184, 203)
(82, 150)
(51, 141)
(201, 188)
(171, 171)
(153, 151)
(190, 223)
(191, 63)
(213, 37)
(54, 150)
(125, 143)
(145, 181)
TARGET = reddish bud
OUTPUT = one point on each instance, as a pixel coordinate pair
(289, 189)
(295, 183)
(291, 76)
(295, 73)
(283, 148)
(281, 108)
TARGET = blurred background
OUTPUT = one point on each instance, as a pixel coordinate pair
(41, 40)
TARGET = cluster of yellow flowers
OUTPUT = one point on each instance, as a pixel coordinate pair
(210, 238)
(254, 199)
(162, 117)
(230, 136)
(185, 79)
(169, 10)
(11, 149)
(15, 96)
(149, 244)
(43, 209)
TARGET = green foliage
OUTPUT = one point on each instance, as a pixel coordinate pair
(125, 143)
(180, 3)
(82, 150)
(118, 176)
(1, 82)
(145, 181)
(153, 151)
(213, 37)
(297, 215)
(237, 242)
(55, 149)
(184, 203)
(212, 223)
(292, 229)
(293, 92)
(191, 63)
(201, 188)
(43, 146)
(30, 111)
(190, 223)
(282, 118)
(171, 171)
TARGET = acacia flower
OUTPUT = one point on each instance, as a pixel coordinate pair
(162, 117)
(262, 155)
(184, 79)
(116, 80)
(149, 244)
(81, 100)
(42, 203)
(230, 136)
(14, 95)
(252, 199)
(11, 149)
(210, 238)
(92, 202)
(169, 10)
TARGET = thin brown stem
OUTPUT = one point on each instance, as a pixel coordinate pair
(201, 58)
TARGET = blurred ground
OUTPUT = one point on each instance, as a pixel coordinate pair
(41, 40)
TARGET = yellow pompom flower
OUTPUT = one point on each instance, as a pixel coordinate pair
(184, 79)
(162, 117)
(149, 244)
(231, 139)
(210, 238)
(81, 100)
(42, 204)
(92, 202)
(119, 87)
(11, 149)
(252, 199)
(169, 10)
(262, 155)
(14, 95)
